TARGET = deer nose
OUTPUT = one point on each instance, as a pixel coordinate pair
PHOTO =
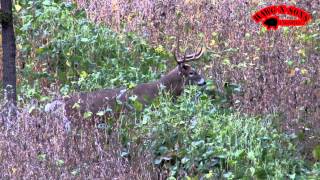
(201, 82)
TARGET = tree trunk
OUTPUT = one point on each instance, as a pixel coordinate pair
(9, 51)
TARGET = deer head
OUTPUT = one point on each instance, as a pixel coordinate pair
(183, 74)
(189, 74)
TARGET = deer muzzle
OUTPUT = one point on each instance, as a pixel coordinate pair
(201, 82)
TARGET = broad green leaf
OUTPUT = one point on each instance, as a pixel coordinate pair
(131, 85)
(41, 157)
(31, 109)
(316, 153)
(138, 105)
(59, 162)
(83, 74)
(101, 113)
(68, 63)
(133, 98)
(40, 50)
(75, 172)
(87, 115)
(84, 40)
(251, 155)
(76, 106)
(290, 62)
(226, 61)
(17, 7)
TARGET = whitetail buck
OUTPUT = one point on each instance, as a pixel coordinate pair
(173, 82)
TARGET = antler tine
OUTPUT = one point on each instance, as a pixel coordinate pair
(187, 58)
(193, 56)
(184, 56)
(176, 57)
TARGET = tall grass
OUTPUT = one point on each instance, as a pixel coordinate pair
(191, 136)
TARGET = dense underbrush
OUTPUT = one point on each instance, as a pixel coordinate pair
(194, 136)
(189, 137)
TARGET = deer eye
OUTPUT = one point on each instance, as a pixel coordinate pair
(191, 73)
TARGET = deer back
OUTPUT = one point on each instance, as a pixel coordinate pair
(77, 104)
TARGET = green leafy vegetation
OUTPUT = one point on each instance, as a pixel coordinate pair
(195, 136)
(58, 42)
(191, 137)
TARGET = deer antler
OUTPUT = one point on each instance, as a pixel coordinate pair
(188, 58)
(194, 56)
(176, 57)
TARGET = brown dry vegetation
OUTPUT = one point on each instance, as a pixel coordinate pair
(39, 144)
(1, 57)
(241, 52)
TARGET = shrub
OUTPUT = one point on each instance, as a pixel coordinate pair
(191, 137)
(59, 44)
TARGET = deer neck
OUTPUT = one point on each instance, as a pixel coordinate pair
(173, 82)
